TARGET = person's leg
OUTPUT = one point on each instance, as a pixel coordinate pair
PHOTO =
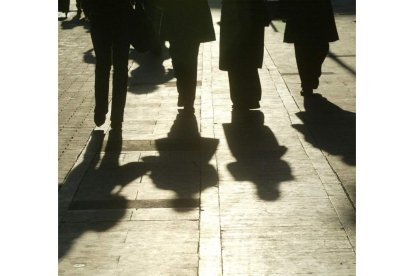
(235, 87)
(120, 53)
(303, 54)
(254, 94)
(319, 53)
(245, 87)
(102, 47)
(184, 56)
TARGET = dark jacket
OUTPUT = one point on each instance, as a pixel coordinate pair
(186, 20)
(242, 33)
(309, 20)
(105, 6)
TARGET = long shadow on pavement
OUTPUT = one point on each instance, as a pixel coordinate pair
(258, 154)
(98, 204)
(74, 22)
(183, 163)
(107, 192)
(331, 128)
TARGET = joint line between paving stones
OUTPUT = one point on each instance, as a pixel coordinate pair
(284, 83)
(208, 83)
(332, 169)
(218, 181)
(73, 166)
(200, 187)
(219, 206)
(318, 148)
(342, 185)
(330, 197)
(309, 133)
(218, 188)
(306, 129)
(347, 236)
(74, 184)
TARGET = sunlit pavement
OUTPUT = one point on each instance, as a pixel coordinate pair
(266, 193)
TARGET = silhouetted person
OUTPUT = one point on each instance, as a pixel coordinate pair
(109, 33)
(241, 49)
(186, 24)
(310, 25)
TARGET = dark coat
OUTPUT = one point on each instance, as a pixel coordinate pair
(309, 20)
(242, 33)
(106, 7)
(186, 20)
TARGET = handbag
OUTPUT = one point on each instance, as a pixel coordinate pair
(140, 29)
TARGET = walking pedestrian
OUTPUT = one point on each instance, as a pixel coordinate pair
(310, 26)
(109, 33)
(242, 28)
(186, 24)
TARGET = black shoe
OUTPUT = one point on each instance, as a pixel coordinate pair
(99, 119)
(116, 125)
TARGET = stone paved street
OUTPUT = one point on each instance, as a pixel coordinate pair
(209, 194)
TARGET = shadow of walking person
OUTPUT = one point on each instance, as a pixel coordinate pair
(74, 22)
(101, 200)
(183, 163)
(257, 152)
(150, 72)
(331, 128)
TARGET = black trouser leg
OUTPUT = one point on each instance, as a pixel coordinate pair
(321, 52)
(184, 56)
(120, 52)
(111, 46)
(309, 59)
(101, 40)
(245, 87)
